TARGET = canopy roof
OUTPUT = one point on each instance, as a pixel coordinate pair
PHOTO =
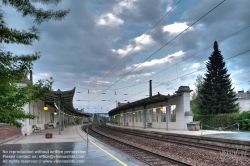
(143, 102)
(66, 100)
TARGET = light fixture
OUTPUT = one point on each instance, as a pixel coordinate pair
(45, 108)
(55, 105)
(161, 109)
(55, 112)
(121, 114)
(133, 112)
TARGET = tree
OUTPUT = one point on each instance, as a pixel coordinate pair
(217, 95)
(14, 68)
(195, 97)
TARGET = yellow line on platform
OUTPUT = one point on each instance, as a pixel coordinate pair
(122, 163)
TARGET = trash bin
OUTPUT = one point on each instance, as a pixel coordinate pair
(48, 135)
(193, 126)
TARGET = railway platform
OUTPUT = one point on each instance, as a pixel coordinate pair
(72, 147)
(241, 136)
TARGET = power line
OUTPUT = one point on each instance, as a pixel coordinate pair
(164, 46)
(183, 76)
(198, 52)
(144, 81)
(105, 106)
(140, 40)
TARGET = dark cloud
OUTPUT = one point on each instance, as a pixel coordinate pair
(78, 51)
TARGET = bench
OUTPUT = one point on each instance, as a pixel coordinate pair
(50, 125)
(149, 124)
(35, 128)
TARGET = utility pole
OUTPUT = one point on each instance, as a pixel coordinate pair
(59, 93)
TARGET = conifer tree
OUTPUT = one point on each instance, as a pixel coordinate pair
(217, 94)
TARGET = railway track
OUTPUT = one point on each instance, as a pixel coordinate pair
(141, 154)
(197, 144)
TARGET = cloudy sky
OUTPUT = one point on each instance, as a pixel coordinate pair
(112, 48)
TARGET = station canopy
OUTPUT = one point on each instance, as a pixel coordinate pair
(143, 102)
(66, 101)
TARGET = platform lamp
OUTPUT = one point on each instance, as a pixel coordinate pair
(45, 108)
(161, 109)
(55, 112)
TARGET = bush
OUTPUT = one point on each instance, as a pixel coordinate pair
(213, 122)
(244, 120)
(226, 121)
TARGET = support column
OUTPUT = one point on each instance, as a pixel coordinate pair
(133, 117)
(167, 114)
(144, 117)
(59, 110)
(124, 119)
(62, 119)
(66, 118)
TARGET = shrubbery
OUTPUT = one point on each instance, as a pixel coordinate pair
(226, 121)
(244, 120)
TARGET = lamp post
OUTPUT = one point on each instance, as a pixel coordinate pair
(133, 116)
(59, 93)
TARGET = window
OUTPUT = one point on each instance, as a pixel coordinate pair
(172, 113)
(154, 115)
(141, 116)
(136, 116)
(148, 115)
(163, 114)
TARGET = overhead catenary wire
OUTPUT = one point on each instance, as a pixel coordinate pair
(196, 53)
(183, 76)
(163, 46)
(146, 80)
(140, 41)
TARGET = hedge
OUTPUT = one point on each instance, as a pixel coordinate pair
(225, 121)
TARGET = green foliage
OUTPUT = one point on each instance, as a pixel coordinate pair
(244, 120)
(25, 7)
(195, 98)
(217, 96)
(214, 121)
(13, 68)
(226, 121)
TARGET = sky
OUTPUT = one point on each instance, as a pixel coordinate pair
(109, 50)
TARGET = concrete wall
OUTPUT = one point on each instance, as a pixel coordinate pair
(244, 104)
(42, 117)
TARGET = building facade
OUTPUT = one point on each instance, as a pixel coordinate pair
(243, 98)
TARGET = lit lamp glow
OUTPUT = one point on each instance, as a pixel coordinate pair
(133, 112)
(161, 109)
(45, 108)
(55, 112)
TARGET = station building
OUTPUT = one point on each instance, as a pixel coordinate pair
(55, 110)
(158, 111)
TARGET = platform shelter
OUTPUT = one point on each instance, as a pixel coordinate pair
(158, 111)
(55, 109)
